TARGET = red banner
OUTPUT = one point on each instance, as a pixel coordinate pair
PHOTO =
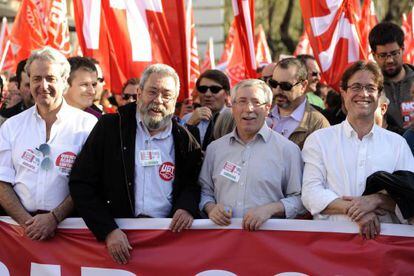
(309, 247)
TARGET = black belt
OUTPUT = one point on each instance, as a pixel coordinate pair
(143, 216)
(38, 212)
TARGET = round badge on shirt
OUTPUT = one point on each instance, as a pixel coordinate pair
(64, 162)
(166, 171)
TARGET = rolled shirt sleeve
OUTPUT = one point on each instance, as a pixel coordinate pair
(315, 195)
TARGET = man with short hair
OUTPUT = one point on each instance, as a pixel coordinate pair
(314, 78)
(339, 159)
(292, 115)
(387, 43)
(82, 83)
(39, 146)
(99, 87)
(234, 181)
(129, 91)
(138, 163)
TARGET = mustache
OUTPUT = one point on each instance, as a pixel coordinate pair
(160, 108)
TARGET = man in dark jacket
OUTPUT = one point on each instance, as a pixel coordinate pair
(138, 153)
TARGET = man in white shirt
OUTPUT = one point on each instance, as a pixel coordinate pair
(253, 172)
(38, 148)
(339, 159)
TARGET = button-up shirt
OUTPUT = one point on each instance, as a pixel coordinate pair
(271, 171)
(285, 125)
(337, 163)
(153, 184)
(41, 188)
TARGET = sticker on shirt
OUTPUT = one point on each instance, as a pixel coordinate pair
(150, 157)
(231, 171)
(30, 159)
(64, 162)
(166, 171)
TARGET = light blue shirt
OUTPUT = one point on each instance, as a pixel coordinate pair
(285, 125)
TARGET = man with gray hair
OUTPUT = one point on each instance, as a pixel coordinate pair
(234, 181)
(38, 148)
(138, 163)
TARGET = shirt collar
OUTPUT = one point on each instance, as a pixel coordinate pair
(264, 133)
(161, 135)
(63, 109)
(349, 130)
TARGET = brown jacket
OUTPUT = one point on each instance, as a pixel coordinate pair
(312, 120)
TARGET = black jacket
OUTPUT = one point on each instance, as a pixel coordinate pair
(102, 179)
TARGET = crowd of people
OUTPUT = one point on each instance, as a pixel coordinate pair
(282, 146)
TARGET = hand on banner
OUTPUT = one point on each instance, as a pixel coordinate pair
(369, 225)
(218, 214)
(255, 217)
(361, 205)
(201, 113)
(181, 220)
(41, 227)
(118, 246)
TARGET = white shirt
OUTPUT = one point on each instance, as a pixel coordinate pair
(337, 164)
(21, 135)
(270, 171)
(153, 184)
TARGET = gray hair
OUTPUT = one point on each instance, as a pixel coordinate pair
(162, 69)
(383, 99)
(302, 72)
(52, 55)
(252, 83)
(224, 124)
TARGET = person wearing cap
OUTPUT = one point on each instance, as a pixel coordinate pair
(38, 148)
(138, 163)
(213, 88)
(253, 172)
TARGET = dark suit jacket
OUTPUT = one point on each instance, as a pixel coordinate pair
(102, 178)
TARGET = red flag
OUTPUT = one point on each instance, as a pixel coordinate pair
(242, 62)
(367, 21)
(303, 47)
(228, 46)
(209, 61)
(193, 60)
(333, 32)
(40, 23)
(263, 56)
(7, 60)
(407, 27)
(127, 36)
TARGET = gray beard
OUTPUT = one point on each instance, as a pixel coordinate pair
(156, 122)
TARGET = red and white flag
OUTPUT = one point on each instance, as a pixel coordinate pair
(242, 62)
(228, 47)
(209, 61)
(7, 60)
(407, 27)
(304, 47)
(332, 27)
(40, 23)
(367, 21)
(193, 60)
(127, 36)
(263, 56)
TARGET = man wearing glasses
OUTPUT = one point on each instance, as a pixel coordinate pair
(38, 148)
(213, 88)
(339, 159)
(292, 115)
(129, 91)
(235, 184)
(138, 163)
(387, 43)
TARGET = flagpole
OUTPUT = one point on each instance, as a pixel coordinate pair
(3, 58)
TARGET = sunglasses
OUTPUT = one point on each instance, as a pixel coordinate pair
(101, 80)
(126, 97)
(315, 74)
(213, 89)
(284, 85)
(46, 163)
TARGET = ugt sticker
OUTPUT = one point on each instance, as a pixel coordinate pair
(166, 171)
(64, 162)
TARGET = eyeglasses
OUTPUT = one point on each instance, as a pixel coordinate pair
(126, 97)
(46, 163)
(101, 80)
(315, 74)
(166, 97)
(213, 89)
(284, 85)
(358, 87)
(245, 103)
(384, 56)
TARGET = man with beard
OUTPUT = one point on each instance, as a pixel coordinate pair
(138, 163)
(387, 43)
(292, 115)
